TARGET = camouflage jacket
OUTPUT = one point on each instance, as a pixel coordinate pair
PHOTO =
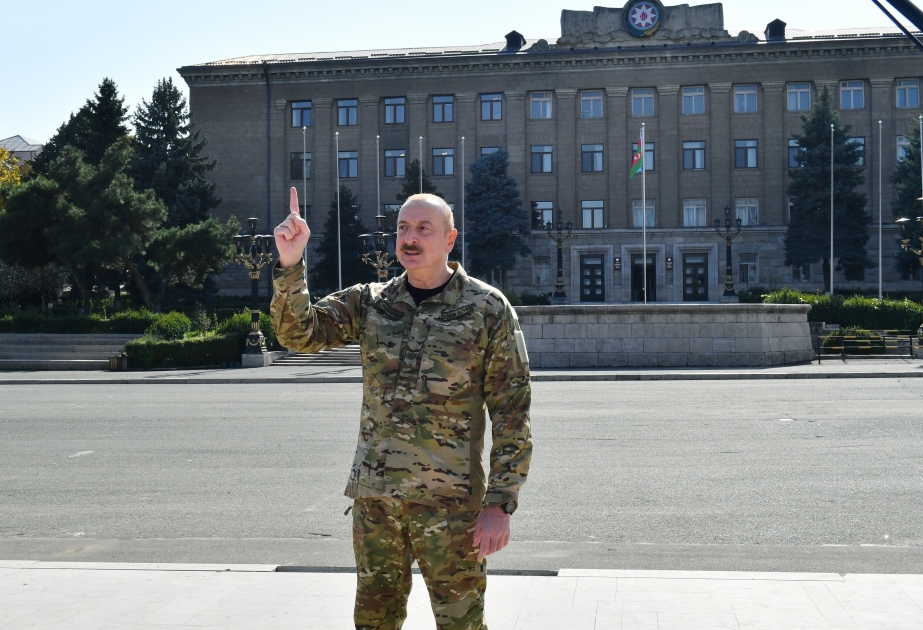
(430, 373)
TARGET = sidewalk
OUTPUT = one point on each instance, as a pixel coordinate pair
(75, 596)
(829, 368)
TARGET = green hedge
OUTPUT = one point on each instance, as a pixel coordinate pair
(123, 323)
(239, 326)
(855, 311)
(147, 352)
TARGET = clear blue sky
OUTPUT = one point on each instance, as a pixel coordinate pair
(57, 52)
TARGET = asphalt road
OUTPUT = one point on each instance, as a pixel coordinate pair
(742, 475)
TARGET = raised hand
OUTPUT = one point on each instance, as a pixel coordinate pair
(292, 234)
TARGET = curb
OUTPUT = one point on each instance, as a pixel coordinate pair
(618, 376)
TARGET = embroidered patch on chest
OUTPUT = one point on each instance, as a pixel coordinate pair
(387, 310)
(455, 313)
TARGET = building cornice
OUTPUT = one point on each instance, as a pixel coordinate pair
(550, 62)
(668, 90)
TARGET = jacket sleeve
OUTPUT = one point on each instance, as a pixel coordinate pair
(304, 327)
(508, 394)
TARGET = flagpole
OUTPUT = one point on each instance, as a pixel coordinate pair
(879, 211)
(831, 210)
(643, 150)
(304, 183)
(421, 165)
(463, 201)
(339, 245)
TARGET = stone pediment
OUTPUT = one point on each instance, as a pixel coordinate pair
(641, 21)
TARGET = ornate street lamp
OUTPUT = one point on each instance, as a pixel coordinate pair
(254, 251)
(905, 245)
(559, 296)
(377, 243)
(728, 236)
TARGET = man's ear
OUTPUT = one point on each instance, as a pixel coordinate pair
(453, 234)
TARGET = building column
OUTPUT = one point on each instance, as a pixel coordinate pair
(370, 116)
(515, 116)
(416, 119)
(775, 155)
(465, 114)
(881, 105)
(721, 149)
(566, 159)
(671, 211)
(617, 160)
(323, 160)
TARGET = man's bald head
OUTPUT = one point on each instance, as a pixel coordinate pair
(437, 203)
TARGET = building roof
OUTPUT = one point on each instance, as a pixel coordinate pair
(21, 143)
(497, 47)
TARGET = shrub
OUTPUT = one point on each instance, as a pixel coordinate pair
(170, 327)
(238, 326)
(535, 299)
(148, 352)
(753, 295)
(855, 311)
(132, 322)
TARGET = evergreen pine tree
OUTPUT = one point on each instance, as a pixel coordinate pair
(807, 239)
(92, 130)
(170, 156)
(324, 273)
(907, 184)
(497, 220)
(410, 185)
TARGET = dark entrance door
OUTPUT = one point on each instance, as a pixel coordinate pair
(592, 279)
(637, 278)
(695, 277)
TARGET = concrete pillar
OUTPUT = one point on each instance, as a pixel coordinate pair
(775, 155)
(721, 152)
(668, 152)
(566, 160)
(370, 115)
(617, 157)
(515, 115)
(416, 118)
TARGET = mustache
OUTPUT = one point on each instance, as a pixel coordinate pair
(411, 249)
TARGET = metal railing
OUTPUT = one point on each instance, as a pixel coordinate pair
(865, 344)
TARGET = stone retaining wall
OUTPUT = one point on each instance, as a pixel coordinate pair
(666, 335)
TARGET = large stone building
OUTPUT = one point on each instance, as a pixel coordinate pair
(719, 107)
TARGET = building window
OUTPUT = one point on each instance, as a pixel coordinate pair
(541, 267)
(642, 102)
(852, 95)
(801, 273)
(349, 164)
(592, 158)
(592, 215)
(301, 114)
(799, 97)
(591, 104)
(394, 111)
(541, 105)
(301, 165)
(491, 106)
(638, 217)
(542, 214)
(694, 213)
(443, 161)
(748, 212)
(744, 99)
(443, 109)
(693, 100)
(693, 156)
(745, 153)
(860, 145)
(489, 150)
(541, 158)
(347, 112)
(794, 151)
(908, 93)
(648, 155)
(395, 162)
(903, 144)
(748, 270)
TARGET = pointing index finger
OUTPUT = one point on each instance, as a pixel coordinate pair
(293, 202)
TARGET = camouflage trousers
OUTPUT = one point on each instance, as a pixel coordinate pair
(388, 535)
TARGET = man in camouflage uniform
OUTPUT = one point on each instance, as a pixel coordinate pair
(440, 350)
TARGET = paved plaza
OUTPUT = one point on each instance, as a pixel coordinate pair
(100, 596)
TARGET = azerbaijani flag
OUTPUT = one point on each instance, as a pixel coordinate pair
(638, 162)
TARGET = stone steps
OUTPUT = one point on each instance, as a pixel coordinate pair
(347, 355)
(59, 352)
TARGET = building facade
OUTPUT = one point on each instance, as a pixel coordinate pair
(718, 107)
